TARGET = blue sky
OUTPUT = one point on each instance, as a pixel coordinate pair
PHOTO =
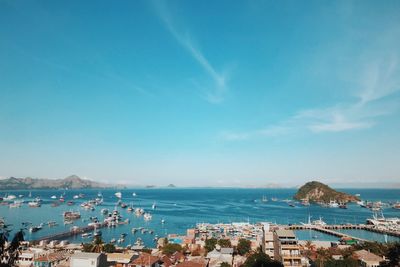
(201, 92)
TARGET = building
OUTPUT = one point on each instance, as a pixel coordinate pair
(145, 260)
(50, 259)
(121, 259)
(286, 248)
(368, 259)
(217, 257)
(269, 244)
(83, 259)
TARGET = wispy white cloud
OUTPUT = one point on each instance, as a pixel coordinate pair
(220, 79)
(378, 86)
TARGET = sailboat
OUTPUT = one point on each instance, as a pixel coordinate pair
(118, 195)
(264, 199)
(154, 206)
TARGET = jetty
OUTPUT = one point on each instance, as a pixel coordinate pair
(72, 232)
(330, 229)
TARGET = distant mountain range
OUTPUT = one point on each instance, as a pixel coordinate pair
(70, 182)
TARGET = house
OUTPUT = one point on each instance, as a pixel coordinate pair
(121, 259)
(368, 259)
(166, 261)
(26, 258)
(145, 260)
(269, 244)
(84, 259)
(50, 259)
(217, 257)
(286, 248)
(191, 263)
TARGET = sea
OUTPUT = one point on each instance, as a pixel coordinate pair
(183, 208)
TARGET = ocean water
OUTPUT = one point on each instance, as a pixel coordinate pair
(183, 208)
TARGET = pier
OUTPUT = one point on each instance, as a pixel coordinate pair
(70, 233)
(330, 229)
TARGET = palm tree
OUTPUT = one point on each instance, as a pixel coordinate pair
(322, 256)
(98, 245)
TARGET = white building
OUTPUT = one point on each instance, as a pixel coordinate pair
(83, 259)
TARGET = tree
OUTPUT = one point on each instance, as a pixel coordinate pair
(225, 264)
(171, 248)
(260, 259)
(9, 251)
(243, 247)
(98, 244)
(393, 254)
(109, 248)
(322, 257)
(210, 244)
(224, 243)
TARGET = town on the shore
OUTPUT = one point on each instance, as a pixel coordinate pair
(207, 245)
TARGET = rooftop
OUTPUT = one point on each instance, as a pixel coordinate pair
(285, 233)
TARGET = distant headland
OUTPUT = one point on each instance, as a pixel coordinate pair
(70, 182)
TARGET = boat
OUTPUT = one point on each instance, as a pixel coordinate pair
(104, 211)
(118, 195)
(264, 199)
(274, 199)
(129, 209)
(291, 204)
(51, 223)
(76, 197)
(9, 197)
(134, 194)
(113, 240)
(70, 203)
(396, 205)
(36, 228)
(124, 206)
(162, 221)
(85, 235)
(305, 202)
(71, 215)
(147, 216)
(343, 206)
(53, 197)
(333, 204)
(16, 204)
(154, 206)
(34, 204)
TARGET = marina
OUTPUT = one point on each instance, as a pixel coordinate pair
(159, 212)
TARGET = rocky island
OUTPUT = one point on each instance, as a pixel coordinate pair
(70, 182)
(318, 192)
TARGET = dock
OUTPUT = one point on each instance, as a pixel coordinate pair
(70, 233)
(330, 229)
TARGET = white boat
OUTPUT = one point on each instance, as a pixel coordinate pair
(318, 222)
(134, 194)
(9, 197)
(333, 204)
(264, 199)
(53, 197)
(76, 197)
(118, 195)
(154, 206)
(147, 216)
(16, 204)
(162, 221)
(34, 204)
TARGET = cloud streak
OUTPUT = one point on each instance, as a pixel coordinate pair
(379, 85)
(220, 86)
